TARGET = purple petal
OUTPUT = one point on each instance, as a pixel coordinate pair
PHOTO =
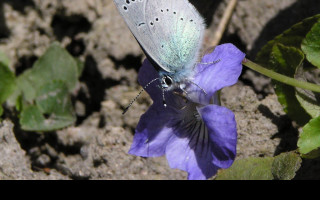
(148, 73)
(207, 145)
(222, 129)
(181, 155)
(224, 70)
(152, 133)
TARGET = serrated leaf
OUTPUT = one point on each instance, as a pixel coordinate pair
(53, 109)
(285, 166)
(309, 139)
(292, 37)
(285, 60)
(248, 169)
(311, 45)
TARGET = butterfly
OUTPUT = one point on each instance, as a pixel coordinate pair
(170, 32)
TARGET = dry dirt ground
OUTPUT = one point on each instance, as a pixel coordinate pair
(96, 146)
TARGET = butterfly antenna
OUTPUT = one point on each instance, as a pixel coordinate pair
(163, 99)
(127, 108)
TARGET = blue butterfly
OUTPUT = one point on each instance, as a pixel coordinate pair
(170, 32)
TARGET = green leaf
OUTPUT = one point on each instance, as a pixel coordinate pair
(53, 109)
(19, 103)
(248, 169)
(285, 166)
(54, 98)
(285, 60)
(7, 82)
(27, 85)
(4, 59)
(32, 119)
(309, 139)
(55, 64)
(43, 94)
(277, 55)
(307, 99)
(309, 102)
(292, 37)
(311, 45)
(281, 167)
(312, 154)
(80, 66)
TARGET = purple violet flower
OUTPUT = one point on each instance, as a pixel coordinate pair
(195, 133)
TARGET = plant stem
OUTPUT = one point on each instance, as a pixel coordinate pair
(281, 78)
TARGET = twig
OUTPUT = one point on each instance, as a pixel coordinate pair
(224, 22)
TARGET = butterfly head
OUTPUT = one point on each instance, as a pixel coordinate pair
(169, 81)
(166, 82)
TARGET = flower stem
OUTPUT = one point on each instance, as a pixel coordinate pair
(281, 78)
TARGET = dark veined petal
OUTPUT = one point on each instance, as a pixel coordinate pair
(217, 70)
(190, 147)
(222, 129)
(191, 153)
(152, 133)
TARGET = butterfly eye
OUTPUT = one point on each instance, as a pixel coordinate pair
(168, 80)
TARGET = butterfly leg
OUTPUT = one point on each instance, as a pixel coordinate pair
(197, 86)
(210, 63)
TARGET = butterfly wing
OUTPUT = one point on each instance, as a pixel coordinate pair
(169, 31)
(179, 28)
